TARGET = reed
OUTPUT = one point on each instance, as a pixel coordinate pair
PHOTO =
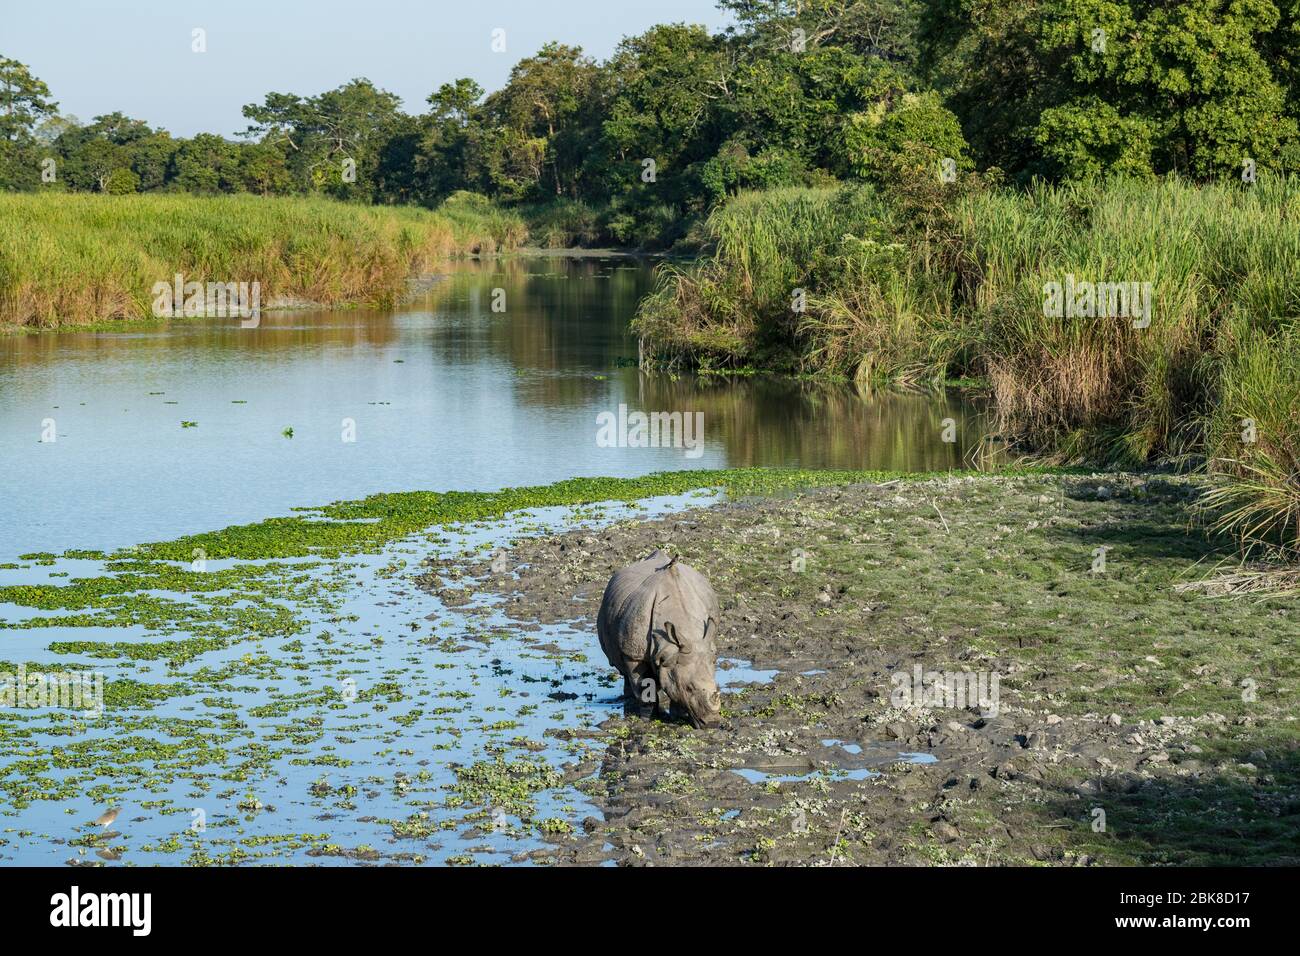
(1254, 440)
(890, 299)
(73, 259)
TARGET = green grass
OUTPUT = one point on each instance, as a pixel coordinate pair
(1215, 256)
(356, 526)
(1254, 436)
(72, 259)
(739, 308)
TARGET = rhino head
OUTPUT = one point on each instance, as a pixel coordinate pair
(686, 661)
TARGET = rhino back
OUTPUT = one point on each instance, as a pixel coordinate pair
(642, 596)
(696, 595)
(624, 622)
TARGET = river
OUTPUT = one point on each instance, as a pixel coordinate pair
(443, 393)
(369, 720)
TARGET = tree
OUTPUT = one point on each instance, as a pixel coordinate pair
(982, 58)
(398, 178)
(89, 160)
(332, 141)
(54, 126)
(802, 100)
(121, 182)
(24, 102)
(918, 123)
(666, 87)
(151, 159)
(546, 109)
(1198, 79)
(90, 154)
(872, 28)
(1073, 88)
(262, 169)
(441, 161)
(207, 164)
(510, 164)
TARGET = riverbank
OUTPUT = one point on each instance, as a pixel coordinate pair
(71, 260)
(367, 682)
(1177, 342)
(227, 661)
(1141, 719)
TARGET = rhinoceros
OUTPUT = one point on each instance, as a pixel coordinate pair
(658, 626)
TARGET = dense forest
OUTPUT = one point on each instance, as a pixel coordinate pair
(796, 92)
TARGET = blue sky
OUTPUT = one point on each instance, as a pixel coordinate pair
(135, 55)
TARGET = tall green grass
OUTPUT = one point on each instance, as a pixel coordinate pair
(1099, 386)
(70, 259)
(787, 286)
(1253, 431)
(959, 292)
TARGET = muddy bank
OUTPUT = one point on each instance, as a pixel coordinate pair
(1131, 721)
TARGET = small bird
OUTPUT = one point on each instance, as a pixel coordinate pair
(106, 818)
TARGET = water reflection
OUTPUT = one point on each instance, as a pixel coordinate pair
(493, 377)
(559, 324)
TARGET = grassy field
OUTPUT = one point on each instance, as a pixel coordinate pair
(80, 259)
(924, 286)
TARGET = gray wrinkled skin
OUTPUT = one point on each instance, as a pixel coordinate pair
(658, 626)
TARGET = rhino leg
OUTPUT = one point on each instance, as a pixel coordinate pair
(634, 686)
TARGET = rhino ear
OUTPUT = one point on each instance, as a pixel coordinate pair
(675, 641)
(666, 649)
